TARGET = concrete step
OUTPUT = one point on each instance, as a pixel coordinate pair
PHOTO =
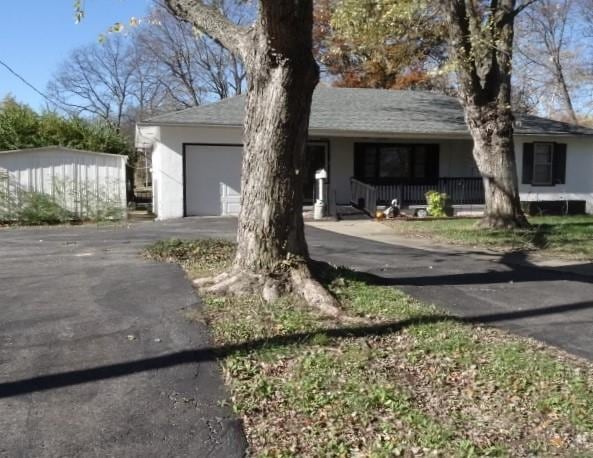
(140, 215)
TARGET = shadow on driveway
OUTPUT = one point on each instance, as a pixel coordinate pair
(64, 379)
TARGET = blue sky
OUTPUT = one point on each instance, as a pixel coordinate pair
(36, 35)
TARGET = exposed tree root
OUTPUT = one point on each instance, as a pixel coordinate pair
(208, 281)
(314, 293)
(232, 282)
(297, 280)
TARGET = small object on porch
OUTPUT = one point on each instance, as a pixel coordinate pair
(421, 213)
(380, 215)
(393, 210)
(320, 207)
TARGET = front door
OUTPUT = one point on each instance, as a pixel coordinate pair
(316, 157)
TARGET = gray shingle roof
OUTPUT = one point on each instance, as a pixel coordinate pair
(54, 148)
(369, 111)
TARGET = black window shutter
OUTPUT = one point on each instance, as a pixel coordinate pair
(432, 163)
(527, 163)
(559, 163)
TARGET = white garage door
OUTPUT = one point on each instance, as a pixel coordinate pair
(212, 180)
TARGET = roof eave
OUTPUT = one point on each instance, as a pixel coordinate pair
(554, 134)
(316, 131)
(364, 133)
(186, 124)
(386, 134)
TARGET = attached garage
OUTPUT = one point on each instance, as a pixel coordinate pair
(212, 177)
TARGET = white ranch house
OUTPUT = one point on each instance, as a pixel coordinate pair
(375, 144)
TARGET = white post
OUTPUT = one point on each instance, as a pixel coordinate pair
(320, 207)
(320, 184)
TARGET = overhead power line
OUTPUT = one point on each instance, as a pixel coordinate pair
(22, 78)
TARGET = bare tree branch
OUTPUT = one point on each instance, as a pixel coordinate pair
(209, 20)
(524, 5)
(192, 66)
(544, 46)
(97, 80)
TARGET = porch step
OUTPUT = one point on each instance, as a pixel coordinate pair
(139, 215)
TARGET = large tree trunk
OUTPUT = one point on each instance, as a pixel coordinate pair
(484, 61)
(272, 256)
(282, 77)
(494, 153)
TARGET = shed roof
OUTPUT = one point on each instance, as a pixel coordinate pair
(53, 148)
(369, 111)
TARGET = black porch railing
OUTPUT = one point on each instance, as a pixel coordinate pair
(461, 191)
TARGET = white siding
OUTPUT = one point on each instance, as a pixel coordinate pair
(455, 161)
(146, 135)
(70, 176)
(167, 163)
(579, 172)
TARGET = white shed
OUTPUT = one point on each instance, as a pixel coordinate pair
(80, 181)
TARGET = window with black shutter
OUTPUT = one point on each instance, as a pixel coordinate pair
(544, 163)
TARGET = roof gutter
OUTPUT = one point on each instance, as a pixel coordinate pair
(369, 134)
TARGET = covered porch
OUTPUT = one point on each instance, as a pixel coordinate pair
(371, 172)
(462, 192)
(406, 169)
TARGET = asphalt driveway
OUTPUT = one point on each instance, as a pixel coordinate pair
(87, 330)
(97, 358)
(553, 305)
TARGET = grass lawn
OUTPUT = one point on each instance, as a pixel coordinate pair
(566, 236)
(411, 382)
